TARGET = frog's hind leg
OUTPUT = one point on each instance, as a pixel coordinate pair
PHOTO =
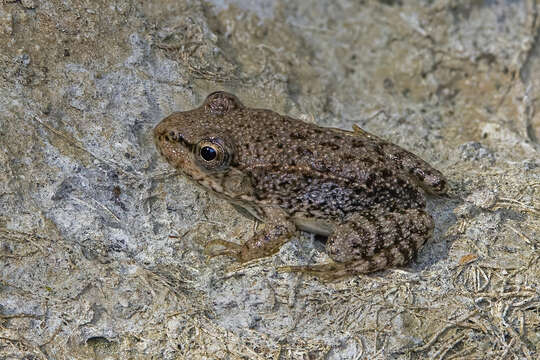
(369, 242)
(328, 271)
(337, 270)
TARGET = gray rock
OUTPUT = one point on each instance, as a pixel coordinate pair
(102, 244)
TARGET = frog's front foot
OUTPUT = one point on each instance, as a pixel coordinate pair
(228, 248)
(267, 242)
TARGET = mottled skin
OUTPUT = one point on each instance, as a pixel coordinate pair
(362, 192)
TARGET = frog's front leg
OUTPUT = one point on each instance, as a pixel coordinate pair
(369, 242)
(278, 230)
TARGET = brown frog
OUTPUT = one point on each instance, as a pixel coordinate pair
(360, 191)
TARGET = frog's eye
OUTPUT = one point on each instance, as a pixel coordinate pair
(213, 154)
(208, 153)
(221, 102)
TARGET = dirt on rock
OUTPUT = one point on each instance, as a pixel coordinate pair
(102, 243)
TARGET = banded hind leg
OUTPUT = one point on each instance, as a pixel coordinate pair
(369, 242)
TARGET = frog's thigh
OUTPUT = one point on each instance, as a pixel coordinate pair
(368, 242)
(386, 239)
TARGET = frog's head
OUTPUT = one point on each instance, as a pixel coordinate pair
(195, 141)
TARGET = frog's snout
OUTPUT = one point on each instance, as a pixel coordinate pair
(166, 132)
(161, 129)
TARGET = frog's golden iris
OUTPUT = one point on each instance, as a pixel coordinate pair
(213, 154)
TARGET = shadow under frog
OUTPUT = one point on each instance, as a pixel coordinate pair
(364, 193)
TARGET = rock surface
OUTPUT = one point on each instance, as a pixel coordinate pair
(102, 243)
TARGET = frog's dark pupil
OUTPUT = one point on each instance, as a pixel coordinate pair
(208, 153)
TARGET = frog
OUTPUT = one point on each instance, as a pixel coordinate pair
(365, 195)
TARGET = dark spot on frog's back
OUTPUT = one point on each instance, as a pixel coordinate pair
(386, 173)
(357, 143)
(379, 150)
(297, 136)
(302, 151)
(331, 145)
(367, 161)
(370, 180)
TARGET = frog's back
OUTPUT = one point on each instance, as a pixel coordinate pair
(277, 160)
(323, 172)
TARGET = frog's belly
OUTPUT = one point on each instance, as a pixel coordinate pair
(309, 222)
(313, 225)
(301, 220)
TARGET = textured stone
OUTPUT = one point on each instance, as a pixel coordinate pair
(101, 245)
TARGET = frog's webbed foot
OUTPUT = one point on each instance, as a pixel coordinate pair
(334, 270)
(228, 249)
(324, 272)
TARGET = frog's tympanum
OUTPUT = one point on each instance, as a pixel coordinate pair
(362, 192)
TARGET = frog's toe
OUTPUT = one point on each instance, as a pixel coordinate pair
(325, 272)
(228, 248)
